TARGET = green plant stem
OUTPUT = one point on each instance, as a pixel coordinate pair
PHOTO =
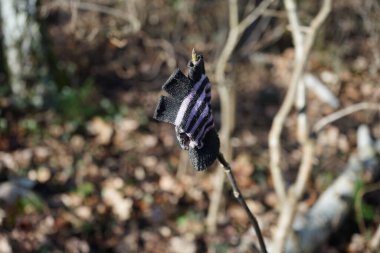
(240, 198)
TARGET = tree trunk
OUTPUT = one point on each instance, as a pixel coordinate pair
(23, 51)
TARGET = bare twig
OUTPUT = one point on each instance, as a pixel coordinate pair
(87, 6)
(227, 96)
(259, 10)
(240, 198)
(289, 203)
(289, 208)
(279, 120)
(343, 113)
(236, 30)
(302, 124)
(298, 41)
(295, 26)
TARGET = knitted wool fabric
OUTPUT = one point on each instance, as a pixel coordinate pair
(189, 110)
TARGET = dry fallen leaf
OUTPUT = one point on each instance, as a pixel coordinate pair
(129, 125)
(182, 245)
(71, 200)
(23, 158)
(74, 245)
(271, 199)
(343, 143)
(41, 154)
(84, 212)
(139, 173)
(121, 207)
(43, 174)
(7, 161)
(77, 143)
(123, 128)
(168, 183)
(101, 129)
(148, 141)
(237, 214)
(149, 161)
(129, 243)
(255, 206)
(243, 169)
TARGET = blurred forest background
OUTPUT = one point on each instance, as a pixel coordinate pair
(85, 168)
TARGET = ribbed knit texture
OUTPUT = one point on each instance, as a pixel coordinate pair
(189, 109)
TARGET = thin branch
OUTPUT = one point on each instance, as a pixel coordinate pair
(236, 30)
(290, 203)
(240, 198)
(87, 6)
(295, 27)
(279, 120)
(305, 168)
(259, 10)
(289, 209)
(233, 13)
(227, 94)
(300, 101)
(227, 113)
(298, 41)
(343, 113)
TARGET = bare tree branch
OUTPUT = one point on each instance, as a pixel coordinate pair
(279, 120)
(87, 6)
(240, 198)
(343, 113)
(227, 94)
(289, 203)
(259, 10)
(290, 206)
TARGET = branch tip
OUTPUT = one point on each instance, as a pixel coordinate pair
(193, 56)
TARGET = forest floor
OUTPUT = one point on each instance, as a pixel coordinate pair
(95, 172)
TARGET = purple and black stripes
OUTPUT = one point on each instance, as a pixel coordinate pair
(194, 118)
(188, 108)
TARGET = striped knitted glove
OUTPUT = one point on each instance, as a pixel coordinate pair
(189, 110)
